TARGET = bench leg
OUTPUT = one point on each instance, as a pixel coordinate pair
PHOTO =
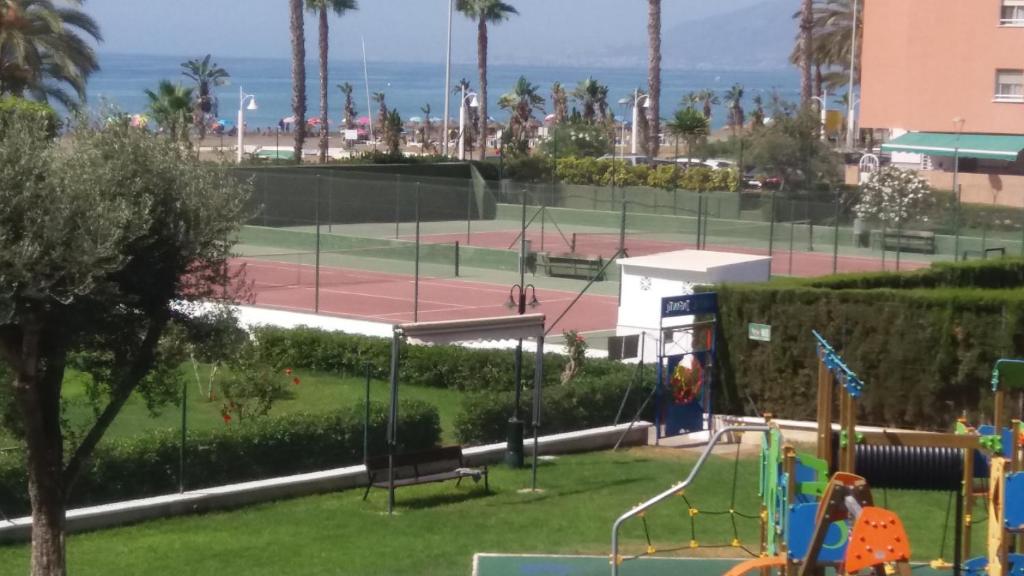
(369, 484)
(487, 488)
(458, 482)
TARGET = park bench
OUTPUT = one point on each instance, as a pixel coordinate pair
(909, 241)
(424, 467)
(572, 265)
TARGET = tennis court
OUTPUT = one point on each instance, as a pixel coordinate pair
(393, 298)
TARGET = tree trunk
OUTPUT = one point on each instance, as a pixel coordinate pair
(654, 76)
(324, 127)
(481, 51)
(44, 447)
(806, 50)
(298, 76)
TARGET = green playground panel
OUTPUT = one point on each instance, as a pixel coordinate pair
(528, 565)
(555, 565)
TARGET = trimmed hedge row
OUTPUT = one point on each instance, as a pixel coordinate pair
(258, 448)
(924, 343)
(587, 402)
(452, 367)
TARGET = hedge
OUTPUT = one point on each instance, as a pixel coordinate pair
(259, 448)
(924, 342)
(452, 367)
(586, 402)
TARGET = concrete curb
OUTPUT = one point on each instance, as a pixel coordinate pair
(236, 495)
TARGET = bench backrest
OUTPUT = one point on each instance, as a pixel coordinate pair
(446, 458)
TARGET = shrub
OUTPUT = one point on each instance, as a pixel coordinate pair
(36, 112)
(260, 448)
(588, 401)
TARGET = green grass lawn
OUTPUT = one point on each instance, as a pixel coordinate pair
(316, 392)
(439, 527)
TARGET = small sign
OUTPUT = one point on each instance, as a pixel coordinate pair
(351, 135)
(692, 305)
(623, 347)
(759, 332)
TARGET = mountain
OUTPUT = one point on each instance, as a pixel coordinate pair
(758, 37)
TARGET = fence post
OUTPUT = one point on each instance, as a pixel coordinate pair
(184, 435)
(622, 231)
(398, 203)
(543, 217)
(456, 258)
(882, 243)
(835, 238)
(416, 281)
(792, 233)
(316, 270)
(366, 418)
(700, 210)
(771, 225)
(899, 242)
(469, 211)
(330, 210)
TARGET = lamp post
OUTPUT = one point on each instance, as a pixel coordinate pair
(636, 116)
(242, 97)
(448, 77)
(624, 102)
(473, 103)
(823, 100)
(514, 440)
(958, 123)
(851, 122)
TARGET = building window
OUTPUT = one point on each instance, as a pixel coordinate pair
(1010, 85)
(1012, 13)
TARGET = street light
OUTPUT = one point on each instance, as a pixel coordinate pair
(514, 440)
(473, 103)
(242, 97)
(851, 122)
(823, 100)
(958, 123)
(637, 97)
(624, 102)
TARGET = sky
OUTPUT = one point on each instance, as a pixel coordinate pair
(553, 32)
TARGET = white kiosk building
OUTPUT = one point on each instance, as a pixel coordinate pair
(648, 279)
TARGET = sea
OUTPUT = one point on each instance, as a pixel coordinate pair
(123, 78)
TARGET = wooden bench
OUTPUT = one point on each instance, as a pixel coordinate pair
(909, 241)
(424, 467)
(572, 265)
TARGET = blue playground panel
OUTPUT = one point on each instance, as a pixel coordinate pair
(1013, 501)
(801, 525)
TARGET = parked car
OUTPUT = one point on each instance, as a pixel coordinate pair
(634, 160)
(708, 163)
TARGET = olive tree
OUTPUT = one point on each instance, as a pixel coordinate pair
(101, 235)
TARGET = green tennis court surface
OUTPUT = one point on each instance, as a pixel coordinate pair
(540, 565)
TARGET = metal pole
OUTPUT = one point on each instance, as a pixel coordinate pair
(622, 230)
(899, 243)
(462, 125)
(956, 195)
(241, 124)
(771, 226)
(456, 258)
(366, 417)
(184, 434)
(851, 123)
(393, 421)
(366, 83)
(316, 272)
(700, 210)
(883, 245)
(543, 214)
(792, 233)
(398, 203)
(448, 77)
(416, 280)
(538, 382)
(469, 211)
(522, 246)
(835, 238)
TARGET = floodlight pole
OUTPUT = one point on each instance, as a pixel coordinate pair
(514, 441)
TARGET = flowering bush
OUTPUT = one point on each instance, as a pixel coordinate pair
(895, 196)
(253, 385)
(576, 347)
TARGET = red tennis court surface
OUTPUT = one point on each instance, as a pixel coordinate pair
(804, 264)
(388, 298)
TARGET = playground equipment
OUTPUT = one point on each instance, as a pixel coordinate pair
(817, 510)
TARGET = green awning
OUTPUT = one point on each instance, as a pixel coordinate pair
(984, 146)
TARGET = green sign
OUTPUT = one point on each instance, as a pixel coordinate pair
(759, 332)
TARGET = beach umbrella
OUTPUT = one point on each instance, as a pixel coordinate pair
(415, 119)
(363, 120)
(139, 120)
(549, 119)
(435, 119)
(288, 120)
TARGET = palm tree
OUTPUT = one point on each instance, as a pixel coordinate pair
(350, 106)
(205, 74)
(708, 99)
(44, 50)
(690, 124)
(427, 145)
(560, 100)
(521, 102)
(392, 131)
(321, 8)
(654, 75)
(833, 29)
(382, 111)
(171, 106)
(734, 102)
(757, 116)
(484, 12)
(806, 50)
(592, 97)
(298, 32)
(643, 129)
